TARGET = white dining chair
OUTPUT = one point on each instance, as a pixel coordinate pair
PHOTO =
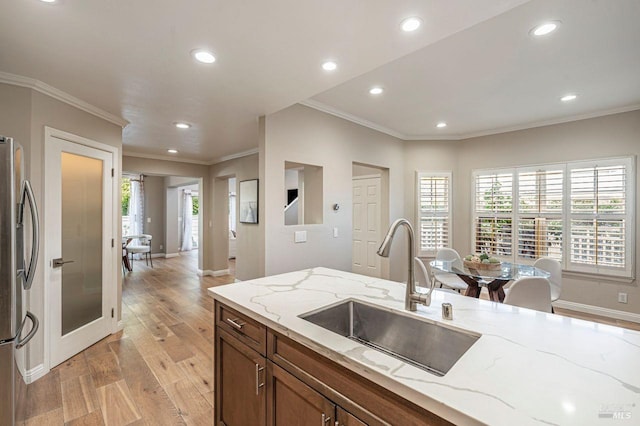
(142, 247)
(553, 267)
(445, 279)
(530, 292)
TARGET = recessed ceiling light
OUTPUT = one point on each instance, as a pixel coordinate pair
(48, 1)
(182, 125)
(329, 66)
(441, 125)
(411, 24)
(376, 90)
(544, 28)
(172, 151)
(568, 98)
(203, 56)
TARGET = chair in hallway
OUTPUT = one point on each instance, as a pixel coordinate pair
(530, 292)
(143, 247)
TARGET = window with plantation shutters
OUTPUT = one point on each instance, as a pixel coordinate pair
(540, 209)
(433, 211)
(580, 213)
(600, 228)
(493, 216)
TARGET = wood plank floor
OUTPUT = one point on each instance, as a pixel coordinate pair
(159, 369)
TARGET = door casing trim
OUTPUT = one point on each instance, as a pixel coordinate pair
(50, 133)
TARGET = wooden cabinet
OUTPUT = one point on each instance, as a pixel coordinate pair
(292, 403)
(266, 379)
(343, 418)
(240, 392)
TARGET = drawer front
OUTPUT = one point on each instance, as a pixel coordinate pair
(249, 331)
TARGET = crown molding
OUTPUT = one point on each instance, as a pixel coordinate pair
(164, 158)
(456, 137)
(234, 156)
(188, 160)
(45, 89)
(350, 117)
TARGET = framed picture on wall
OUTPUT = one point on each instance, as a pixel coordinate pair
(249, 201)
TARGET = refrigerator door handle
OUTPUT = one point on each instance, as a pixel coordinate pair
(20, 342)
(27, 194)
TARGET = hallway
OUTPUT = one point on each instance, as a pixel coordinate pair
(157, 371)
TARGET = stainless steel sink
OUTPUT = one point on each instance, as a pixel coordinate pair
(427, 345)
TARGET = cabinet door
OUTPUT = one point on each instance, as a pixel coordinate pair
(292, 403)
(344, 418)
(240, 374)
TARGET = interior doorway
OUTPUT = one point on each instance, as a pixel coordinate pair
(370, 218)
(233, 225)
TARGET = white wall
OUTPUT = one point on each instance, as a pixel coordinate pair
(608, 136)
(248, 250)
(303, 135)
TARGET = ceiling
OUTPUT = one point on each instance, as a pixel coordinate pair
(496, 77)
(132, 58)
(472, 64)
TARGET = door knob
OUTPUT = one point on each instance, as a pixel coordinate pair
(59, 262)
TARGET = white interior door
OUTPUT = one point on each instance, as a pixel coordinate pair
(366, 226)
(79, 234)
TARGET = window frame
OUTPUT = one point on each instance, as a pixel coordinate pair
(419, 174)
(628, 272)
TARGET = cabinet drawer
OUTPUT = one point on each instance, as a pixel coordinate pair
(249, 331)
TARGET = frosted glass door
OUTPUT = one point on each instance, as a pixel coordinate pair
(82, 194)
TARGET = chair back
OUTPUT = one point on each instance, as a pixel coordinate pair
(145, 239)
(530, 292)
(553, 267)
(447, 254)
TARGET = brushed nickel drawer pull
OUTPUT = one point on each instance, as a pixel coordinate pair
(258, 384)
(325, 419)
(234, 322)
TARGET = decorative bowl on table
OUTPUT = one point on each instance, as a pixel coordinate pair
(482, 262)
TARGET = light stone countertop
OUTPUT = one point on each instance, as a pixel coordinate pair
(528, 367)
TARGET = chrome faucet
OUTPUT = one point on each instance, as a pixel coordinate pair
(412, 297)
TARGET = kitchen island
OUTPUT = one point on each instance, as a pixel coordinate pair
(527, 367)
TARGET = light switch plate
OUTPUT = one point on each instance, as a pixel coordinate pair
(300, 237)
(335, 232)
(148, 220)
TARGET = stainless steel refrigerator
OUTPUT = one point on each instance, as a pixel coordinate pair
(16, 277)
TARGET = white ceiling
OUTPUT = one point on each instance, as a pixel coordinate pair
(496, 77)
(131, 58)
(472, 64)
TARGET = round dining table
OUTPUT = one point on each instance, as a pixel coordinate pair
(494, 280)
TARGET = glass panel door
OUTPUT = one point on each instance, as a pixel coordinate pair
(82, 208)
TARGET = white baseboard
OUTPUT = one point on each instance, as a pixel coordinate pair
(35, 373)
(119, 327)
(154, 255)
(170, 255)
(597, 310)
(210, 273)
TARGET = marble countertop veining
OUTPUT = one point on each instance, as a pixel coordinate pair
(528, 367)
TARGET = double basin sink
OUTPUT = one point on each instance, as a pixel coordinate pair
(424, 344)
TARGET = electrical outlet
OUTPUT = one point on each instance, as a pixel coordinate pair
(161, 246)
(622, 297)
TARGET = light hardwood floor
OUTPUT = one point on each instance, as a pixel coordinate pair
(159, 369)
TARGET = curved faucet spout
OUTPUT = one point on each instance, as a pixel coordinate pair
(412, 298)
